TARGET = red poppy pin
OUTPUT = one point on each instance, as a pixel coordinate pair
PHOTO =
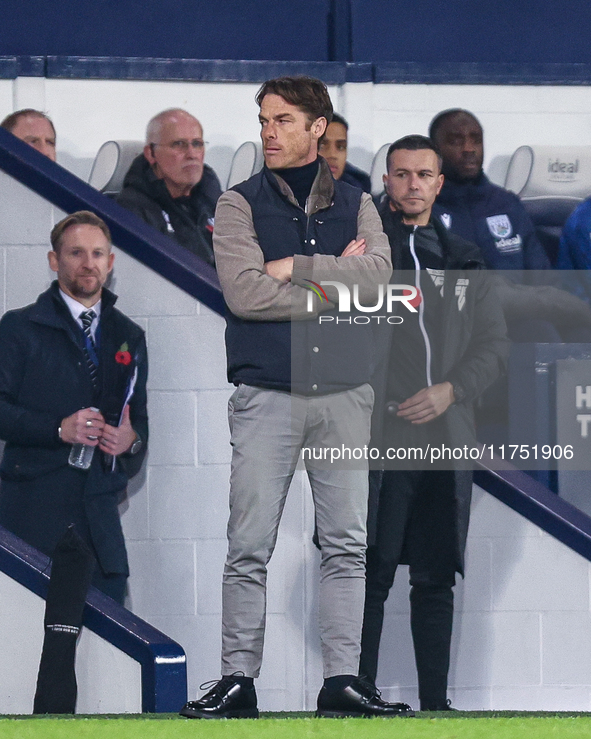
(123, 356)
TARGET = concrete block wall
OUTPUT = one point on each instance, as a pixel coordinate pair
(521, 638)
(108, 680)
(522, 632)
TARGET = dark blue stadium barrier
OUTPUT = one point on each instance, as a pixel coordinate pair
(333, 73)
(434, 32)
(9, 69)
(482, 73)
(162, 661)
(198, 70)
(340, 40)
(320, 30)
(184, 29)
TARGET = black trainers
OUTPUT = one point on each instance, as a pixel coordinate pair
(360, 699)
(228, 698)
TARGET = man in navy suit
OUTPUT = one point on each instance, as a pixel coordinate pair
(67, 363)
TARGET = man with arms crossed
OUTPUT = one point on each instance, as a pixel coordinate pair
(272, 234)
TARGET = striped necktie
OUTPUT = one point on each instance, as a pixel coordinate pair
(87, 317)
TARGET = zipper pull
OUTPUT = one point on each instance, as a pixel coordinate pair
(169, 228)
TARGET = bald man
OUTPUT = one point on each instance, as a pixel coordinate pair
(170, 187)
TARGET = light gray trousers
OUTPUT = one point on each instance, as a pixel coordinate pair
(268, 430)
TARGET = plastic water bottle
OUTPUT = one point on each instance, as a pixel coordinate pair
(81, 454)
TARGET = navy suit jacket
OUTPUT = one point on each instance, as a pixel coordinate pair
(43, 379)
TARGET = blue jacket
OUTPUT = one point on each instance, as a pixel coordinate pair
(356, 177)
(575, 244)
(574, 252)
(495, 220)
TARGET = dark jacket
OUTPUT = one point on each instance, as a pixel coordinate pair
(356, 177)
(473, 352)
(575, 242)
(495, 220)
(43, 379)
(574, 252)
(187, 220)
(279, 354)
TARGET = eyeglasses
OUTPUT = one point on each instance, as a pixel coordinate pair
(182, 145)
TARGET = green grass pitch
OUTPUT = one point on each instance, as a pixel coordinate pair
(501, 725)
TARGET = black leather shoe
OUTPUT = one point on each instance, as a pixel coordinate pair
(438, 706)
(360, 699)
(227, 699)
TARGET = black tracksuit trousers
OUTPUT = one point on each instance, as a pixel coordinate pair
(415, 526)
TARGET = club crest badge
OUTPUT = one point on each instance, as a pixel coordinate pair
(499, 226)
(446, 220)
(461, 287)
(438, 277)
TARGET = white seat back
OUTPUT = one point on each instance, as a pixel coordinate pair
(378, 170)
(111, 163)
(550, 172)
(550, 182)
(247, 160)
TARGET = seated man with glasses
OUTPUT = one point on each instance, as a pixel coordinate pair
(170, 187)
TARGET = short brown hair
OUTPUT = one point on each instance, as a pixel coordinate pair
(309, 94)
(81, 217)
(9, 123)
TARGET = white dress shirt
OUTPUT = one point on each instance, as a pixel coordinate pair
(77, 308)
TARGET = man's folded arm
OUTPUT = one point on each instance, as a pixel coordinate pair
(249, 292)
(252, 294)
(368, 270)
